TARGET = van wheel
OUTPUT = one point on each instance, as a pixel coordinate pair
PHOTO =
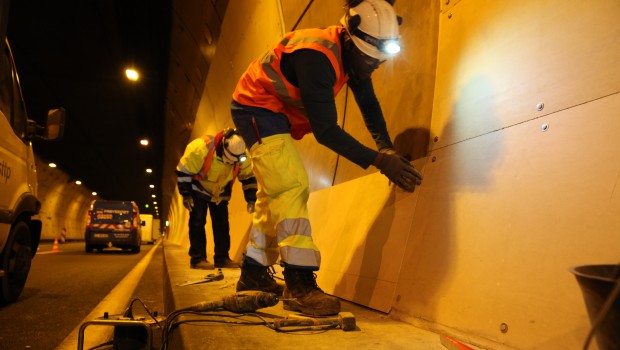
(135, 249)
(16, 260)
(89, 248)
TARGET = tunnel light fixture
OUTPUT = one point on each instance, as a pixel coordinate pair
(132, 74)
(94, 193)
(154, 202)
(152, 186)
(153, 195)
(78, 182)
(52, 165)
(144, 142)
(149, 170)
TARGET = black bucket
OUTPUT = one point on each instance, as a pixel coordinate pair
(596, 283)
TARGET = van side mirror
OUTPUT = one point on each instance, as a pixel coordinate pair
(55, 127)
(143, 223)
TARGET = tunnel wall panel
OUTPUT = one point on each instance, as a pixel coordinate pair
(63, 203)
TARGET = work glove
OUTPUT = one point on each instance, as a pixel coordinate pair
(398, 169)
(387, 151)
(188, 202)
(251, 207)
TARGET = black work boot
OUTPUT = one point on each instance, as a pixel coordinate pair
(257, 277)
(226, 263)
(304, 295)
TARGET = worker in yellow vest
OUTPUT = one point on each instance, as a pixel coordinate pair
(205, 175)
(286, 93)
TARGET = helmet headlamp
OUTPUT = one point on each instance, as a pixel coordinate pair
(388, 46)
(232, 158)
(391, 46)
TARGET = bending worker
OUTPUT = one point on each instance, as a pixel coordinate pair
(289, 92)
(205, 175)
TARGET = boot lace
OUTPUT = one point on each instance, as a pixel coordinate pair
(269, 273)
(309, 281)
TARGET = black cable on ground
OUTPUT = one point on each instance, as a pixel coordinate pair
(152, 315)
(171, 324)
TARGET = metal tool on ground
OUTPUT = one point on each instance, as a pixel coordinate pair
(208, 278)
(241, 302)
(344, 321)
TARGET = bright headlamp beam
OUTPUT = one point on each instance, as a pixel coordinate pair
(391, 47)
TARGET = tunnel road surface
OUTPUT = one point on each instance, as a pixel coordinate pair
(66, 285)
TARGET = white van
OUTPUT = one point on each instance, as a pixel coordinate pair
(19, 233)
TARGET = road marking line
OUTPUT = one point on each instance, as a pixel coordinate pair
(48, 252)
(114, 303)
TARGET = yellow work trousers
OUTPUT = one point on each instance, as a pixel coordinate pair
(280, 224)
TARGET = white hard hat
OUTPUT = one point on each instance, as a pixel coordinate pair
(234, 147)
(373, 26)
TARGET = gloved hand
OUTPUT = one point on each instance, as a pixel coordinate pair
(398, 169)
(188, 202)
(251, 207)
(387, 151)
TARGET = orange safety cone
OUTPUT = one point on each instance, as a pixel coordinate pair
(55, 247)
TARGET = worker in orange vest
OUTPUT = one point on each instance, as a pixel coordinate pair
(205, 175)
(286, 93)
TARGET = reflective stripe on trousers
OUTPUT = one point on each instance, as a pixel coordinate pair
(280, 222)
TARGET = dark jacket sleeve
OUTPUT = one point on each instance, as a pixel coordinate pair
(249, 189)
(364, 94)
(312, 72)
(248, 181)
(184, 183)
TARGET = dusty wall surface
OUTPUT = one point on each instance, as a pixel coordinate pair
(521, 181)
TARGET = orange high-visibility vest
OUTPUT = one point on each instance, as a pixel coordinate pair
(263, 84)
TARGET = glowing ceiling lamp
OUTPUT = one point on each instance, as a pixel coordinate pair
(132, 74)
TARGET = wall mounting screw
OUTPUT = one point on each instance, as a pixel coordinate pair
(449, 15)
(436, 138)
(447, 2)
(503, 328)
(544, 127)
(540, 106)
(433, 159)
